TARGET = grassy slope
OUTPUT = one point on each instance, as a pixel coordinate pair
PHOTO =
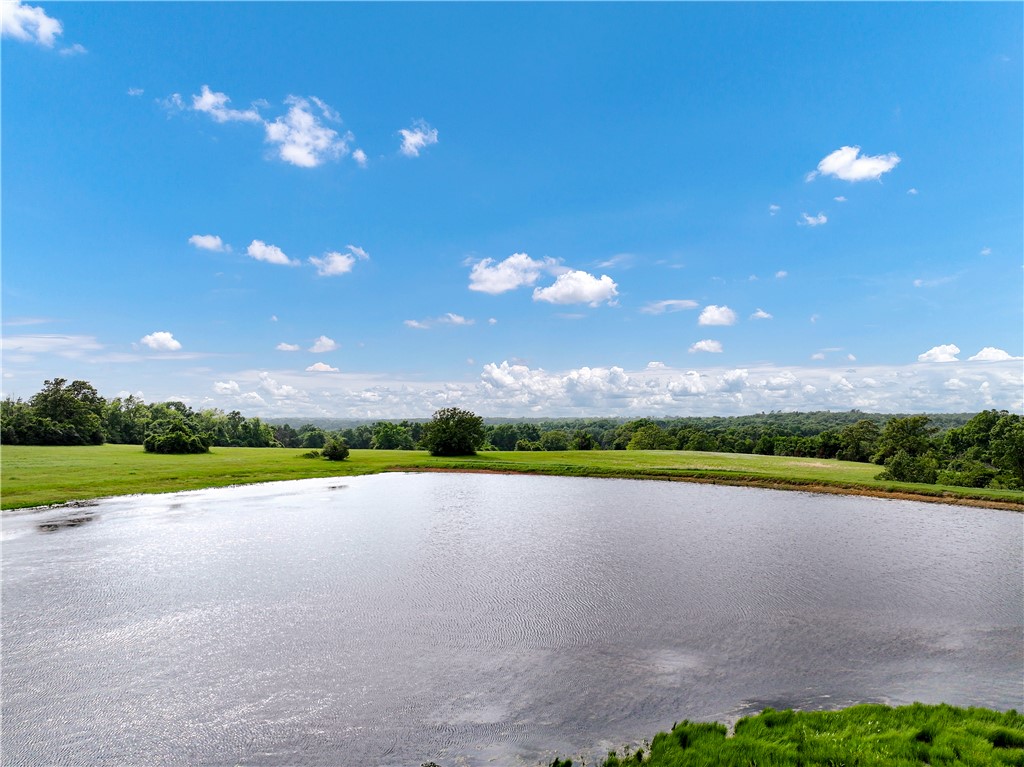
(908, 736)
(34, 476)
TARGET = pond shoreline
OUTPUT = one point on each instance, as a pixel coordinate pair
(760, 482)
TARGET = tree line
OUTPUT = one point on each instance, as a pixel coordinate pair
(983, 450)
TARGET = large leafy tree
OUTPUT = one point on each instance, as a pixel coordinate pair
(68, 414)
(454, 431)
(913, 435)
(390, 436)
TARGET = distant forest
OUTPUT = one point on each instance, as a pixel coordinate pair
(966, 449)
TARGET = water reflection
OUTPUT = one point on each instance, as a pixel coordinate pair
(468, 618)
(53, 525)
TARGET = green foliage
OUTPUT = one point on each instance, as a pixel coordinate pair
(908, 736)
(391, 436)
(912, 435)
(174, 435)
(859, 441)
(651, 437)
(454, 431)
(554, 440)
(903, 467)
(335, 450)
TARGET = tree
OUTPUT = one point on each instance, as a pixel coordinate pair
(175, 435)
(912, 434)
(1007, 445)
(651, 437)
(336, 449)
(556, 439)
(390, 436)
(454, 431)
(858, 441)
(69, 414)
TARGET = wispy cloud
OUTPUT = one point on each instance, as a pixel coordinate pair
(760, 314)
(848, 164)
(216, 106)
(773, 209)
(668, 305)
(417, 138)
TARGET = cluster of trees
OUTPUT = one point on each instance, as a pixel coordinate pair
(986, 450)
(74, 413)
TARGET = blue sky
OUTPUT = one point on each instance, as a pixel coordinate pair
(377, 210)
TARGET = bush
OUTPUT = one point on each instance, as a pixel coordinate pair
(176, 439)
(902, 467)
(336, 449)
(454, 432)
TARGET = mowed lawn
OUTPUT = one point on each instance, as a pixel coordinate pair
(35, 476)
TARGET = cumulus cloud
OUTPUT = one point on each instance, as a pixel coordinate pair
(717, 315)
(216, 106)
(707, 345)
(840, 198)
(773, 209)
(669, 305)
(161, 341)
(272, 387)
(848, 164)
(808, 220)
(29, 23)
(417, 138)
(302, 139)
(334, 263)
(986, 252)
(760, 314)
(321, 367)
(912, 191)
(991, 354)
(943, 353)
(360, 157)
(270, 253)
(578, 288)
(209, 242)
(285, 347)
(781, 275)
(226, 387)
(323, 344)
(516, 271)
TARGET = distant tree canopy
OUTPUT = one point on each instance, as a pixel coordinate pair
(453, 431)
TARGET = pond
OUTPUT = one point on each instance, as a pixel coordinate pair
(473, 619)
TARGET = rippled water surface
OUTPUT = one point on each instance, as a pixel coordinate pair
(471, 619)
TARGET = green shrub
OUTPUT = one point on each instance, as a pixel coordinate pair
(336, 449)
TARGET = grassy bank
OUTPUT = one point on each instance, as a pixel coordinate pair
(908, 736)
(35, 476)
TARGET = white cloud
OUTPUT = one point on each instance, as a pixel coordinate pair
(655, 365)
(270, 253)
(416, 324)
(773, 209)
(323, 344)
(516, 271)
(912, 191)
(135, 91)
(216, 105)
(286, 347)
(29, 24)
(335, 263)
(492, 321)
(172, 104)
(717, 315)
(707, 345)
(161, 341)
(578, 288)
(818, 356)
(209, 242)
(620, 260)
(417, 138)
(252, 398)
(226, 387)
(818, 220)
(669, 305)
(846, 164)
(840, 198)
(360, 157)
(992, 354)
(781, 275)
(74, 50)
(321, 367)
(302, 139)
(760, 314)
(47, 343)
(454, 319)
(943, 353)
(986, 252)
(851, 358)
(271, 386)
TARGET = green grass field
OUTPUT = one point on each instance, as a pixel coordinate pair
(36, 476)
(907, 736)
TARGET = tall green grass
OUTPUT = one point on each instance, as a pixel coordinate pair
(861, 736)
(35, 476)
